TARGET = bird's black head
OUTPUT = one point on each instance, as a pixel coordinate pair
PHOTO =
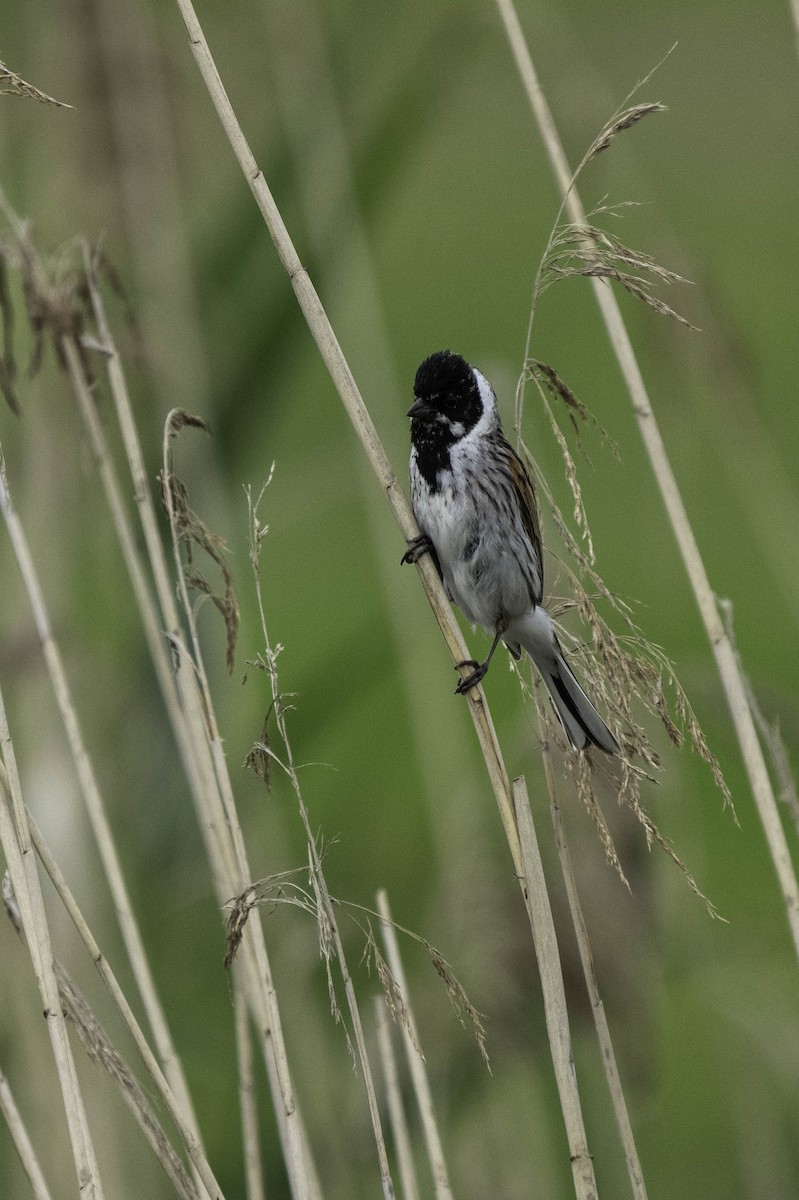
(447, 401)
(450, 398)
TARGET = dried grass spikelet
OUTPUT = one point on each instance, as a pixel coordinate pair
(618, 123)
(192, 533)
(284, 889)
(55, 297)
(12, 84)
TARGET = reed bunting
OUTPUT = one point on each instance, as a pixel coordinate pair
(476, 509)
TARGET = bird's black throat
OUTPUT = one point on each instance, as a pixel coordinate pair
(432, 444)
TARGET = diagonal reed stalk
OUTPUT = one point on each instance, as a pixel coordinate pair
(555, 1010)
(15, 838)
(729, 670)
(172, 1102)
(352, 400)
(608, 1054)
(396, 1112)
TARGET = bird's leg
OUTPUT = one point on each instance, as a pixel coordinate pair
(469, 681)
(416, 548)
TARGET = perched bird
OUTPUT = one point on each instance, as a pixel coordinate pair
(476, 509)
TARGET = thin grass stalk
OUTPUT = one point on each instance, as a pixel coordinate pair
(21, 864)
(608, 1054)
(326, 917)
(555, 1010)
(225, 826)
(338, 368)
(248, 1100)
(22, 1141)
(418, 1070)
(396, 1111)
(731, 679)
(172, 1104)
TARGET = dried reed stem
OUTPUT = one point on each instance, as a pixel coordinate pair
(418, 1070)
(171, 1101)
(22, 1142)
(248, 1102)
(396, 1112)
(608, 1054)
(729, 671)
(555, 1010)
(21, 863)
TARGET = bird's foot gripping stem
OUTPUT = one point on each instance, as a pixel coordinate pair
(473, 678)
(416, 548)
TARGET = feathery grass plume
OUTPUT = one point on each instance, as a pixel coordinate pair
(627, 668)
(283, 888)
(12, 84)
(586, 250)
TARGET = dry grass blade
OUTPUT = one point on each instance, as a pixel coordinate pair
(12, 84)
(100, 1050)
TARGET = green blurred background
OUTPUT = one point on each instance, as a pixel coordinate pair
(400, 148)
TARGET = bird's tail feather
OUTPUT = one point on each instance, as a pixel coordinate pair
(579, 718)
(581, 721)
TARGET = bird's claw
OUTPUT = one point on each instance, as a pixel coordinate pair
(471, 680)
(416, 548)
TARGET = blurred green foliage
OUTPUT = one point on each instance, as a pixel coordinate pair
(399, 146)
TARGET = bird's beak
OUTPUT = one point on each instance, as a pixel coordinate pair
(420, 408)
